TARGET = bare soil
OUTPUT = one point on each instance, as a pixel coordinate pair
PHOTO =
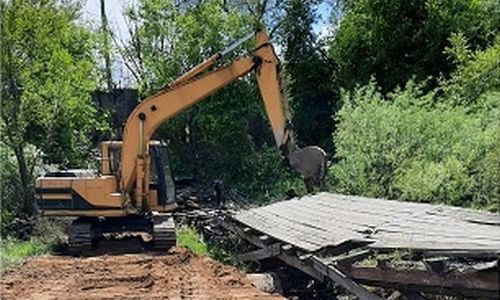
(179, 274)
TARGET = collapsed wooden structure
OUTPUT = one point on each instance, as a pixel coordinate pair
(357, 242)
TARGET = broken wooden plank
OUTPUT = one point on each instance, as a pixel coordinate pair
(259, 254)
(265, 239)
(342, 279)
(287, 258)
(346, 260)
(296, 263)
(287, 248)
(244, 234)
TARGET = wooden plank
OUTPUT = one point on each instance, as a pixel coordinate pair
(287, 248)
(296, 263)
(341, 279)
(411, 295)
(265, 239)
(244, 234)
(287, 258)
(263, 253)
(345, 261)
(476, 284)
(461, 253)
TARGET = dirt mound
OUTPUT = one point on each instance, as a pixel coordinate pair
(178, 275)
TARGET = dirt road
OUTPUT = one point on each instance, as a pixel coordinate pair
(179, 275)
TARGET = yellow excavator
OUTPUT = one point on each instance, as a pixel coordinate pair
(129, 196)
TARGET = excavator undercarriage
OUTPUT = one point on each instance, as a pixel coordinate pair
(125, 234)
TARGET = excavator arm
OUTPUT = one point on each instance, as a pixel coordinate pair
(193, 87)
(126, 203)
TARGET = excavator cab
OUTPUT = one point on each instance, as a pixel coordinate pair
(161, 181)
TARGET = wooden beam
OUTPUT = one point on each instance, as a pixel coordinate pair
(265, 239)
(467, 284)
(296, 263)
(263, 253)
(345, 261)
(466, 253)
(287, 248)
(411, 295)
(342, 248)
(244, 233)
(330, 271)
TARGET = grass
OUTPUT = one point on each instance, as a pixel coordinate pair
(13, 251)
(188, 237)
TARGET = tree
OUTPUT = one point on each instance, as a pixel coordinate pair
(46, 76)
(396, 40)
(311, 76)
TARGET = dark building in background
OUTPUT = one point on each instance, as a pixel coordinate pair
(119, 103)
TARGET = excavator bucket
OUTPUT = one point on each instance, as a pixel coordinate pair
(311, 162)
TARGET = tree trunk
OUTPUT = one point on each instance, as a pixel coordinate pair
(27, 193)
(106, 47)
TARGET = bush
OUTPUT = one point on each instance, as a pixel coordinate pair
(412, 147)
(487, 189)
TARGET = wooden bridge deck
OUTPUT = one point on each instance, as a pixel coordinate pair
(452, 251)
(324, 220)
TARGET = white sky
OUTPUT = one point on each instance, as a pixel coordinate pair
(114, 13)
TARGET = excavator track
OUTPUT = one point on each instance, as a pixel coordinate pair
(88, 236)
(80, 237)
(163, 232)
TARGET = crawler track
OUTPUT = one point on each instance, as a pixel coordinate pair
(134, 234)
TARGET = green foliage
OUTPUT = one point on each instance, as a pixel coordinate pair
(412, 149)
(477, 72)
(10, 197)
(47, 69)
(14, 251)
(188, 237)
(313, 92)
(266, 179)
(396, 40)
